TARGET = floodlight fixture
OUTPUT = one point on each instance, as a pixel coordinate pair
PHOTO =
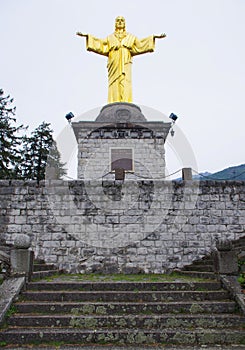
(173, 117)
(69, 116)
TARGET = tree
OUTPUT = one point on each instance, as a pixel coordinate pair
(25, 157)
(35, 152)
(9, 139)
(40, 152)
(54, 164)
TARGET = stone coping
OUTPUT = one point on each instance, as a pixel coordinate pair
(43, 183)
(9, 290)
(231, 284)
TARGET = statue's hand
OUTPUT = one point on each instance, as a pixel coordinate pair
(163, 35)
(81, 34)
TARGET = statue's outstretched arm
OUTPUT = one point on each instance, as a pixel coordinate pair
(82, 34)
(163, 35)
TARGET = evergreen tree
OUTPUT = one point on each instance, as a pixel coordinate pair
(9, 139)
(26, 157)
(40, 151)
(27, 163)
(54, 162)
(35, 152)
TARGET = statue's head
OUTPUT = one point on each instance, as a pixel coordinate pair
(120, 23)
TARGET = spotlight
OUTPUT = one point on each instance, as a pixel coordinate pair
(173, 117)
(69, 116)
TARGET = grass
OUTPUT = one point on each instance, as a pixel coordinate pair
(122, 278)
(54, 343)
(12, 310)
(241, 280)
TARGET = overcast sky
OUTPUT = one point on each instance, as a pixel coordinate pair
(197, 72)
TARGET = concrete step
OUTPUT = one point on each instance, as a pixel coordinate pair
(129, 296)
(200, 268)
(178, 336)
(43, 274)
(181, 312)
(43, 267)
(123, 286)
(129, 321)
(113, 308)
(206, 261)
(197, 274)
(239, 243)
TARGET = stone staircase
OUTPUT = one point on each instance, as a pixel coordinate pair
(41, 269)
(183, 311)
(203, 268)
(203, 265)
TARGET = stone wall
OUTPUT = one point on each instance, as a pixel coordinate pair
(94, 157)
(131, 226)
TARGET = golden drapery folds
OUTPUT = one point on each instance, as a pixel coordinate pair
(120, 52)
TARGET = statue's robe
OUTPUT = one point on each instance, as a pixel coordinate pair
(120, 55)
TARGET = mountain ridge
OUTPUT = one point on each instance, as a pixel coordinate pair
(236, 172)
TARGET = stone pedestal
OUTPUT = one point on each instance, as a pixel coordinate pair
(20, 261)
(187, 174)
(121, 126)
(21, 256)
(227, 262)
(225, 258)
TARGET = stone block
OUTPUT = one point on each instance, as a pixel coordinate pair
(51, 244)
(186, 174)
(13, 228)
(60, 236)
(131, 219)
(236, 228)
(68, 244)
(20, 205)
(6, 190)
(20, 220)
(131, 269)
(135, 236)
(27, 228)
(147, 243)
(201, 228)
(194, 220)
(181, 219)
(226, 262)
(189, 228)
(142, 251)
(51, 258)
(33, 220)
(61, 251)
(20, 261)
(112, 219)
(212, 228)
(241, 220)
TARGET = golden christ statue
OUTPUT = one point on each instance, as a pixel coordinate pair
(120, 47)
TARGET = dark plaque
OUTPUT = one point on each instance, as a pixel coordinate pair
(119, 174)
(122, 158)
